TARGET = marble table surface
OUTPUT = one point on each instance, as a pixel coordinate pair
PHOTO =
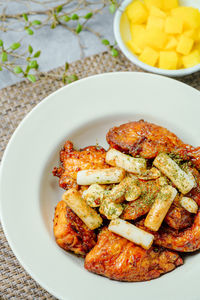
(58, 45)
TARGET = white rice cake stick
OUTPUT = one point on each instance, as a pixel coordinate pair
(130, 164)
(189, 204)
(94, 195)
(87, 214)
(100, 176)
(169, 167)
(160, 207)
(131, 233)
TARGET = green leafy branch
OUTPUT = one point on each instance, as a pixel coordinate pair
(72, 15)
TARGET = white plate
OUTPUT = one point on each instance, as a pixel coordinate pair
(83, 112)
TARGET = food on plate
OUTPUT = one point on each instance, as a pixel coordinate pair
(102, 176)
(87, 214)
(128, 163)
(131, 233)
(139, 199)
(117, 258)
(70, 231)
(189, 204)
(160, 207)
(72, 161)
(162, 34)
(170, 168)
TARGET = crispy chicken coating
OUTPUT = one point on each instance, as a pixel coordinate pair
(119, 259)
(72, 161)
(143, 138)
(178, 217)
(187, 240)
(70, 232)
(148, 140)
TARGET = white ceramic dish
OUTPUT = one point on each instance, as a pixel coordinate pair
(83, 112)
(133, 58)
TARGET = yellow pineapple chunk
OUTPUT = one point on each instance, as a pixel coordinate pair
(173, 25)
(137, 12)
(168, 60)
(155, 23)
(156, 12)
(192, 59)
(197, 47)
(180, 62)
(149, 56)
(172, 43)
(189, 15)
(192, 33)
(157, 3)
(138, 34)
(156, 38)
(133, 47)
(185, 45)
(169, 4)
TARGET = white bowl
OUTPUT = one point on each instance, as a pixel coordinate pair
(133, 58)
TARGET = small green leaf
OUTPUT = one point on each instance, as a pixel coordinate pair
(33, 64)
(105, 42)
(37, 54)
(78, 28)
(1, 68)
(53, 25)
(17, 70)
(25, 17)
(4, 57)
(15, 46)
(112, 8)
(74, 77)
(31, 77)
(66, 66)
(30, 49)
(59, 8)
(114, 52)
(66, 18)
(74, 17)
(36, 22)
(29, 31)
(88, 16)
(1, 43)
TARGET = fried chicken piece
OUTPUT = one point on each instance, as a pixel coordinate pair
(178, 218)
(143, 138)
(70, 231)
(119, 259)
(141, 206)
(72, 161)
(187, 240)
(148, 140)
(195, 192)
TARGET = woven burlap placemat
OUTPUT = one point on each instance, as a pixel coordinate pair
(15, 102)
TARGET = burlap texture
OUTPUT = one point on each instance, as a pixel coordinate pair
(15, 102)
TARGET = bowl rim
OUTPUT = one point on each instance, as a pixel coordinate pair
(134, 59)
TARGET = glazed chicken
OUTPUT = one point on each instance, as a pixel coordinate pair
(147, 140)
(72, 161)
(70, 232)
(187, 240)
(112, 255)
(119, 259)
